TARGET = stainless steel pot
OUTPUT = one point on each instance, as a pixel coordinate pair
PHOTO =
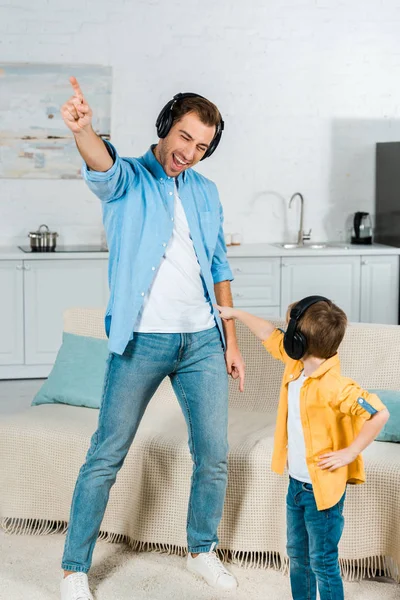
(43, 240)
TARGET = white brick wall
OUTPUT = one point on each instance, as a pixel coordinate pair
(306, 87)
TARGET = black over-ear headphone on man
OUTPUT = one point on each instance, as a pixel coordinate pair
(294, 341)
(165, 119)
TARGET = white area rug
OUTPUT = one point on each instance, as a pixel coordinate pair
(29, 570)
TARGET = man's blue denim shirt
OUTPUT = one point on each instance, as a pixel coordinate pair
(138, 210)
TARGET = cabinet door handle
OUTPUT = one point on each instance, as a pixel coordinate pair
(238, 295)
(237, 270)
(364, 262)
(19, 267)
(27, 268)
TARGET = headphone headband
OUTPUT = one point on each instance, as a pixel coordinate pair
(165, 120)
(300, 308)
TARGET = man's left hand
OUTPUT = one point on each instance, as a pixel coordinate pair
(235, 364)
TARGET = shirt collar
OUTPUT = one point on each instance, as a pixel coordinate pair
(326, 366)
(156, 169)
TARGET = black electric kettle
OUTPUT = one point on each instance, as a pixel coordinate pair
(362, 229)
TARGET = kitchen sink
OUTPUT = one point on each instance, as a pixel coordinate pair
(302, 247)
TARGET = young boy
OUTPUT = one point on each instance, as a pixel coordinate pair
(324, 422)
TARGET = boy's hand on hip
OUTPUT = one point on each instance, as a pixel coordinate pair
(334, 460)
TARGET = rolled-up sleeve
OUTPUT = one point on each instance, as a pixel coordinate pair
(112, 184)
(220, 268)
(355, 401)
(274, 345)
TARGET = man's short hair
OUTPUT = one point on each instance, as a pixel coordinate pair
(207, 112)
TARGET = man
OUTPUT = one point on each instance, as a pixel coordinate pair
(167, 269)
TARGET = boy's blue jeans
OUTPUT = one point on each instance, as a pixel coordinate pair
(312, 544)
(196, 365)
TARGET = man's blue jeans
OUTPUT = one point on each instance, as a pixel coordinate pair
(312, 544)
(196, 366)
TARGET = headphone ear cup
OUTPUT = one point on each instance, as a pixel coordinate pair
(164, 120)
(294, 342)
(299, 345)
(161, 129)
(164, 125)
(213, 146)
(209, 151)
(216, 140)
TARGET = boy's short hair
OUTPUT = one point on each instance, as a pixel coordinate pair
(323, 325)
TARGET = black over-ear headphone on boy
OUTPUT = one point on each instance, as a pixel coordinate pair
(294, 341)
(165, 119)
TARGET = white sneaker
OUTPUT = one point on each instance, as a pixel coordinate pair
(75, 587)
(210, 568)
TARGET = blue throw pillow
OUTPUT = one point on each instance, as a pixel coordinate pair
(391, 430)
(78, 373)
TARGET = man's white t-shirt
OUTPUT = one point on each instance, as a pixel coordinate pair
(175, 302)
(296, 447)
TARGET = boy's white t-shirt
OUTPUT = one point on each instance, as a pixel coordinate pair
(296, 446)
(175, 302)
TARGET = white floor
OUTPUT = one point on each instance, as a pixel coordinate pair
(29, 570)
(29, 565)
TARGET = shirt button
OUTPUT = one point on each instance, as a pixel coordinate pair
(361, 400)
(291, 376)
(142, 293)
(170, 193)
(164, 245)
(153, 268)
(172, 218)
(161, 179)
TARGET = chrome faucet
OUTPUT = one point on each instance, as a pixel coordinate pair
(301, 237)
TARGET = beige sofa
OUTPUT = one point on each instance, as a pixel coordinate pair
(42, 450)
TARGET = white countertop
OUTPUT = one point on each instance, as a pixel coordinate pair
(331, 249)
(14, 253)
(242, 251)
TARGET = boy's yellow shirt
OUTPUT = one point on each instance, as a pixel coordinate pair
(333, 409)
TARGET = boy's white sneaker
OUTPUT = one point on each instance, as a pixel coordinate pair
(75, 587)
(208, 566)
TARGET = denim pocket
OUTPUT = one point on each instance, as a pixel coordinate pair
(307, 487)
(128, 352)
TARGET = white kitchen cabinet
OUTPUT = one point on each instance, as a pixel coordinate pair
(379, 289)
(336, 277)
(256, 281)
(256, 287)
(51, 286)
(264, 312)
(11, 312)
